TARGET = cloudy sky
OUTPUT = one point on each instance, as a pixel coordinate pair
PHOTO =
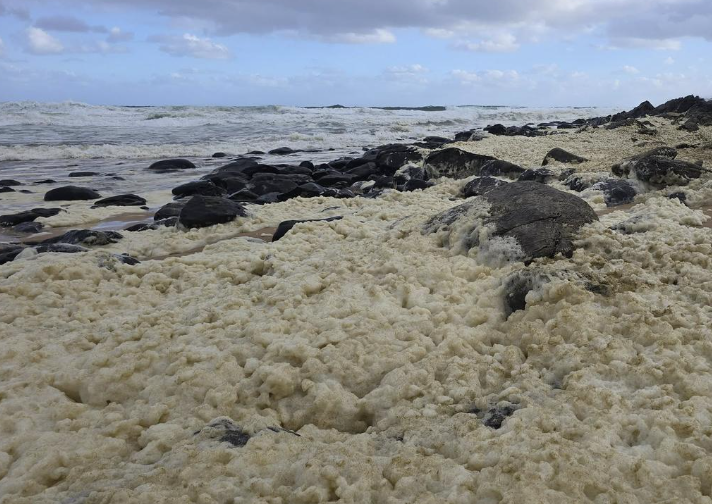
(355, 52)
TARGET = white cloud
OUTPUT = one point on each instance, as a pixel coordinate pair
(669, 61)
(2, 47)
(440, 33)
(502, 43)
(408, 74)
(631, 70)
(41, 42)
(193, 46)
(117, 35)
(379, 36)
(466, 77)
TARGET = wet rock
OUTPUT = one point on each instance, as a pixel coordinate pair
(121, 200)
(363, 171)
(659, 171)
(77, 174)
(27, 216)
(414, 185)
(690, 126)
(285, 226)
(541, 175)
(236, 167)
(410, 172)
(307, 164)
(283, 151)
(472, 135)
(580, 182)
(229, 182)
(5, 189)
(562, 156)
(59, 248)
(526, 130)
(219, 155)
(455, 163)
(87, 237)
(243, 196)
(616, 191)
(516, 288)
(8, 252)
(29, 227)
(9, 183)
(279, 185)
(171, 165)
(495, 417)
(334, 179)
(267, 198)
(45, 181)
(480, 185)
(168, 210)
(71, 193)
(204, 187)
(203, 211)
(142, 226)
(309, 190)
(393, 156)
(680, 196)
(541, 220)
(499, 168)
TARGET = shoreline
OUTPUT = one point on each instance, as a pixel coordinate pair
(398, 346)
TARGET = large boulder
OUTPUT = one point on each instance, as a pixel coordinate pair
(203, 211)
(700, 113)
(9, 183)
(455, 163)
(562, 156)
(71, 193)
(481, 185)
(171, 165)
(659, 168)
(520, 221)
(27, 216)
(121, 200)
(641, 110)
(204, 187)
(169, 210)
(390, 157)
(499, 168)
(616, 191)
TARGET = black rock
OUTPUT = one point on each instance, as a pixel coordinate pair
(171, 165)
(541, 219)
(265, 199)
(562, 156)
(45, 181)
(9, 182)
(169, 210)
(659, 171)
(29, 227)
(455, 163)
(121, 200)
(277, 185)
(204, 187)
(496, 129)
(472, 135)
(495, 417)
(344, 179)
(8, 252)
(83, 174)
(499, 168)
(86, 237)
(678, 105)
(516, 288)
(229, 182)
(363, 171)
(690, 125)
(243, 195)
(59, 248)
(127, 259)
(307, 164)
(5, 189)
(235, 167)
(414, 184)
(701, 113)
(645, 108)
(410, 172)
(71, 193)
(285, 226)
(27, 216)
(141, 226)
(541, 175)
(203, 211)
(219, 155)
(283, 151)
(436, 140)
(391, 157)
(680, 196)
(25, 191)
(480, 185)
(308, 190)
(616, 191)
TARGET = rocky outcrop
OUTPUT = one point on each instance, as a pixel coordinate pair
(455, 163)
(203, 211)
(71, 193)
